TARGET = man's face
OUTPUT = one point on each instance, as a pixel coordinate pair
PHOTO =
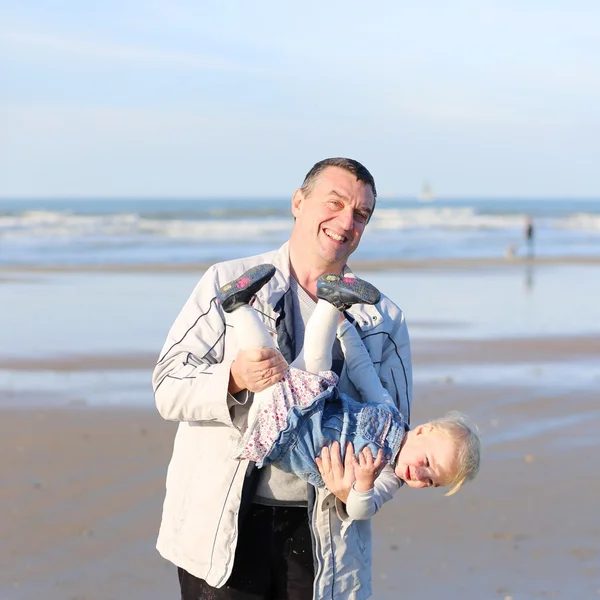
(331, 218)
(427, 459)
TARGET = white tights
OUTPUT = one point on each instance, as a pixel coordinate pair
(315, 356)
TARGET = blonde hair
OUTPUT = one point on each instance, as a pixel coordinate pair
(468, 444)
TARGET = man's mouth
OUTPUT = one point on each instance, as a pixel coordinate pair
(334, 236)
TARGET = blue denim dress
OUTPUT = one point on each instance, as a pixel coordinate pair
(334, 416)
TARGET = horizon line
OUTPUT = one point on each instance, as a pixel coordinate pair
(204, 198)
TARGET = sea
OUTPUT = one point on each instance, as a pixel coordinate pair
(115, 312)
(170, 231)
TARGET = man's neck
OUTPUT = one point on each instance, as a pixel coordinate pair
(306, 272)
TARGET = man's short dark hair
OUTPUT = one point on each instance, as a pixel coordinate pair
(348, 164)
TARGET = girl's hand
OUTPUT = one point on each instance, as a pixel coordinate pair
(367, 469)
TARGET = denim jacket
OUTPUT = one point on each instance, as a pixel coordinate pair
(334, 416)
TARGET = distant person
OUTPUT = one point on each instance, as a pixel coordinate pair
(293, 419)
(235, 531)
(528, 234)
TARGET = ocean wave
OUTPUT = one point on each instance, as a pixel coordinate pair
(581, 222)
(443, 218)
(48, 224)
(264, 222)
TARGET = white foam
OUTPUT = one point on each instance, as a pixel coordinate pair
(48, 224)
(443, 218)
(580, 222)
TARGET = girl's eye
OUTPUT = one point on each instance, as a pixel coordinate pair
(430, 481)
(427, 462)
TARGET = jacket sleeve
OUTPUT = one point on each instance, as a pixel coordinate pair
(191, 378)
(395, 371)
(363, 505)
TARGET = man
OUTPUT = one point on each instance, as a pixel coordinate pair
(232, 530)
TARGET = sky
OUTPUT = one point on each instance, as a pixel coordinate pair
(234, 98)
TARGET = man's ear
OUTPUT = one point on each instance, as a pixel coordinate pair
(297, 200)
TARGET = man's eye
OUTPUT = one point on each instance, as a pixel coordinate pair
(361, 217)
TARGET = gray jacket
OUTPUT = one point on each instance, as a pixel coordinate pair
(199, 526)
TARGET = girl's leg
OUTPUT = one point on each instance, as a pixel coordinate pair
(319, 336)
(250, 331)
(360, 369)
(335, 294)
(235, 298)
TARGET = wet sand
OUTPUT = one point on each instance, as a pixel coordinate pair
(526, 528)
(424, 353)
(371, 265)
(82, 486)
(82, 489)
(81, 499)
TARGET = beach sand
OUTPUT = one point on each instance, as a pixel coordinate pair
(379, 264)
(82, 489)
(84, 453)
(80, 499)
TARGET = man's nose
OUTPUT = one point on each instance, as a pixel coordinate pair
(346, 219)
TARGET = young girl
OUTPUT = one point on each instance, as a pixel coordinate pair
(292, 420)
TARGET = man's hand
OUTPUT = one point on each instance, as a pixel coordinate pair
(367, 469)
(256, 369)
(338, 477)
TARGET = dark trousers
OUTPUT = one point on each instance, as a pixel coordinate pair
(273, 560)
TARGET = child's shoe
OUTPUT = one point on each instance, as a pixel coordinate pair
(240, 291)
(343, 292)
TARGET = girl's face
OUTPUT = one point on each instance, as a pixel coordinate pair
(427, 458)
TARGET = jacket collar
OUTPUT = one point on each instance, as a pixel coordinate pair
(269, 296)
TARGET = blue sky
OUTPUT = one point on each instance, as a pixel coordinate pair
(193, 99)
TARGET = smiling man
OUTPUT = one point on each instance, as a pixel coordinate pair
(239, 532)
(332, 209)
